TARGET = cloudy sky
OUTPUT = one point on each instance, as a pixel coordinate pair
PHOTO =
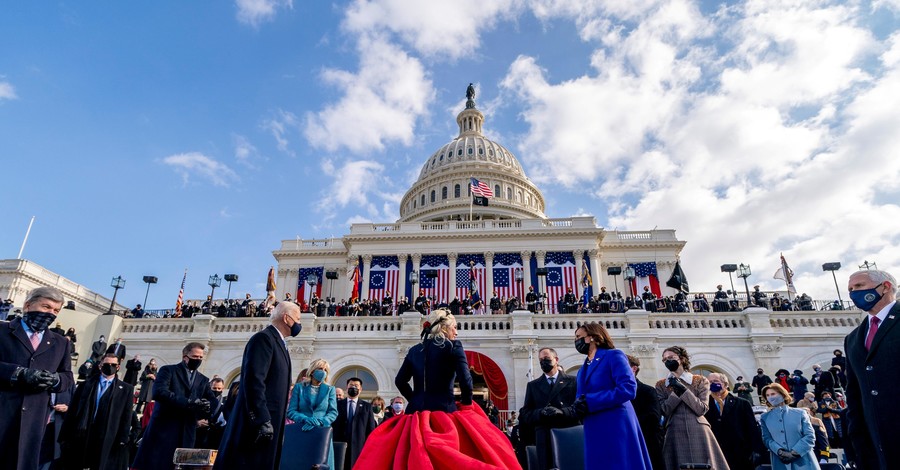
(151, 138)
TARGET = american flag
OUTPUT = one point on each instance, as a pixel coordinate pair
(384, 276)
(481, 189)
(561, 275)
(180, 301)
(464, 275)
(302, 293)
(438, 287)
(645, 275)
(505, 265)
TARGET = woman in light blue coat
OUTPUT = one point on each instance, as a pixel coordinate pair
(787, 432)
(313, 402)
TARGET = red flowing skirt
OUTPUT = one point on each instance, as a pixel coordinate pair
(435, 440)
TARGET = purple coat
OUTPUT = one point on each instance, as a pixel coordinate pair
(23, 415)
(612, 433)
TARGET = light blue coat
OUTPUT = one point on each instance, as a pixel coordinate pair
(789, 428)
(319, 410)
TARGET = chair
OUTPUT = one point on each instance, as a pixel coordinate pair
(532, 458)
(340, 454)
(831, 466)
(764, 467)
(568, 448)
(305, 449)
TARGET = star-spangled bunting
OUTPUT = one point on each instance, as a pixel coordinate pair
(384, 277)
(562, 275)
(645, 275)
(302, 293)
(505, 265)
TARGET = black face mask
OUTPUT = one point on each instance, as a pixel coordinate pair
(546, 365)
(353, 392)
(217, 394)
(672, 364)
(108, 368)
(38, 321)
(582, 346)
(194, 364)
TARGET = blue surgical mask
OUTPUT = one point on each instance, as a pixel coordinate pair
(295, 329)
(865, 299)
(715, 387)
(775, 400)
(319, 375)
(398, 407)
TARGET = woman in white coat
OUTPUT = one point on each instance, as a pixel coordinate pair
(787, 432)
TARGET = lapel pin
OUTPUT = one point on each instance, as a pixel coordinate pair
(890, 317)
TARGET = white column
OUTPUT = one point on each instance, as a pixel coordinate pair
(526, 270)
(401, 282)
(452, 258)
(596, 275)
(417, 267)
(489, 277)
(364, 281)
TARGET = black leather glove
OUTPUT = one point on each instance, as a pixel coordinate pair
(35, 379)
(48, 379)
(204, 405)
(550, 412)
(580, 407)
(199, 404)
(266, 432)
(677, 386)
(785, 456)
(796, 455)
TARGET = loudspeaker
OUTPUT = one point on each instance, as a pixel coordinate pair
(231, 278)
(614, 270)
(431, 273)
(831, 266)
(331, 275)
(729, 268)
(541, 271)
(150, 279)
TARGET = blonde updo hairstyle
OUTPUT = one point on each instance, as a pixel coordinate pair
(437, 325)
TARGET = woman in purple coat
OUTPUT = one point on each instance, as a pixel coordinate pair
(606, 386)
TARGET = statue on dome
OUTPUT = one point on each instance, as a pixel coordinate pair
(470, 95)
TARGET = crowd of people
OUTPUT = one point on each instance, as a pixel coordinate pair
(48, 419)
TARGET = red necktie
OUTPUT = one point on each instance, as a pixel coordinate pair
(873, 329)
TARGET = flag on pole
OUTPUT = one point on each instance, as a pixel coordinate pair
(645, 275)
(786, 274)
(480, 192)
(270, 288)
(354, 281)
(473, 283)
(180, 302)
(586, 284)
(678, 281)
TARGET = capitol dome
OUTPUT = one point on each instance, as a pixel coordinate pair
(442, 190)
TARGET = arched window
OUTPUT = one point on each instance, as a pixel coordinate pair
(369, 382)
(432, 195)
(442, 157)
(509, 193)
(497, 190)
(491, 152)
(480, 150)
(471, 151)
(414, 203)
(456, 191)
(518, 197)
(444, 192)
(459, 152)
(423, 201)
(468, 190)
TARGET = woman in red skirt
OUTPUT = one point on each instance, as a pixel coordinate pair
(436, 432)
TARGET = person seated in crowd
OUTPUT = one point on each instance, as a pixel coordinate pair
(760, 299)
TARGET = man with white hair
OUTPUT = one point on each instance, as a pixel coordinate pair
(734, 425)
(873, 377)
(34, 362)
(253, 435)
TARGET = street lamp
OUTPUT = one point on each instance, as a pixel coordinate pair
(149, 280)
(744, 272)
(214, 281)
(629, 275)
(834, 267)
(520, 277)
(117, 283)
(614, 271)
(730, 268)
(312, 280)
(229, 278)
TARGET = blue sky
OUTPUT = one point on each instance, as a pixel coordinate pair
(151, 138)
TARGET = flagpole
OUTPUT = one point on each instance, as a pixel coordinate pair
(471, 198)
(27, 232)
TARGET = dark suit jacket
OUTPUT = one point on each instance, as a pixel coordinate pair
(173, 423)
(534, 430)
(132, 369)
(873, 380)
(433, 369)
(109, 428)
(355, 433)
(646, 407)
(118, 349)
(736, 431)
(263, 396)
(97, 349)
(23, 415)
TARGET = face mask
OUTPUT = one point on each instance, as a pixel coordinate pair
(759, 372)
(397, 407)
(353, 392)
(818, 370)
(108, 369)
(715, 387)
(672, 364)
(582, 346)
(217, 394)
(865, 299)
(38, 321)
(295, 328)
(546, 365)
(194, 364)
(775, 400)
(319, 375)
(376, 409)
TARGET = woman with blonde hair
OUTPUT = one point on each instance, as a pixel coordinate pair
(787, 432)
(313, 402)
(436, 432)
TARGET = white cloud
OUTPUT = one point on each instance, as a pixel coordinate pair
(432, 28)
(245, 152)
(255, 12)
(195, 164)
(280, 126)
(7, 92)
(380, 103)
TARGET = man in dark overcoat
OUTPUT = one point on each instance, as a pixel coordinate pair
(253, 434)
(97, 433)
(873, 377)
(546, 406)
(183, 397)
(734, 425)
(34, 362)
(132, 369)
(354, 423)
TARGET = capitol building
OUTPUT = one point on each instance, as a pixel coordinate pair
(510, 244)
